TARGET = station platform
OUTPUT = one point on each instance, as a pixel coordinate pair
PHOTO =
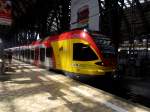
(27, 88)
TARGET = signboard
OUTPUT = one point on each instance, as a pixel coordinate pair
(5, 12)
(85, 14)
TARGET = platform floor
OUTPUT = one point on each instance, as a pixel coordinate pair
(26, 88)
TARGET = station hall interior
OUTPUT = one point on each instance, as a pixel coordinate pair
(56, 52)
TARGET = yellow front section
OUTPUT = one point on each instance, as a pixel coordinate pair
(63, 52)
(90, 68)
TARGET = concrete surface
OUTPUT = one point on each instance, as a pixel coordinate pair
(26, 88)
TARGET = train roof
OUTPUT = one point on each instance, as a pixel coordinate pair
(75, 33)
(37, 42)
(48, 39)
(62, 36)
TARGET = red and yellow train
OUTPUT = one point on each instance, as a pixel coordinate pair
(78, 52)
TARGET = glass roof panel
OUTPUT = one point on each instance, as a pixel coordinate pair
(141, 1)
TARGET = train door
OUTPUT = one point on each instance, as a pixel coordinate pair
(64, 52)
(61, 53)
(42, 56)
(21, 54)
(25, 55)
(28, 55)
(32, 55)
(37, 53)
(49, 58)
(57, 47)
(68, 51)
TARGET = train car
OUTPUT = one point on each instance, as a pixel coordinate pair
(32, 52)
(36, 48)
(46, 53)
(21, 53)
(25, 53)
(78, 53)
(17, 52)
(81, 53)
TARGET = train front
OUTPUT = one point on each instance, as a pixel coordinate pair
(107, 54)
(93, 54)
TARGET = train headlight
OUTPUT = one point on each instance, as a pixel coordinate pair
(85, 30)
(75, 65)
(99, 63)
(83, 34)
(99, 70)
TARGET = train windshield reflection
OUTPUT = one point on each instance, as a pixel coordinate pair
(105, 44)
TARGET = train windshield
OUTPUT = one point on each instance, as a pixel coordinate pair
(82, 52)
(105, 45)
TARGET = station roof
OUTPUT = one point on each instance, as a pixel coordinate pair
(25, 13)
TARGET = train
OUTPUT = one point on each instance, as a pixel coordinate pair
(78, 53)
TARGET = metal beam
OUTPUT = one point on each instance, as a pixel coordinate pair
(142, 15)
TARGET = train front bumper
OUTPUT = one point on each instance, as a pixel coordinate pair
(93, 74)
(95, 71)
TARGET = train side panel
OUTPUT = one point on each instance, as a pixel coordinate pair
(62, 54)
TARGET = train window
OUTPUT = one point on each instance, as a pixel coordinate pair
(32, 54)
(25, 53)
(104, 43)
(49, 52)
(82, 52)
(21, 52)
(36, 53)
(28, 54)
(42, 54)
